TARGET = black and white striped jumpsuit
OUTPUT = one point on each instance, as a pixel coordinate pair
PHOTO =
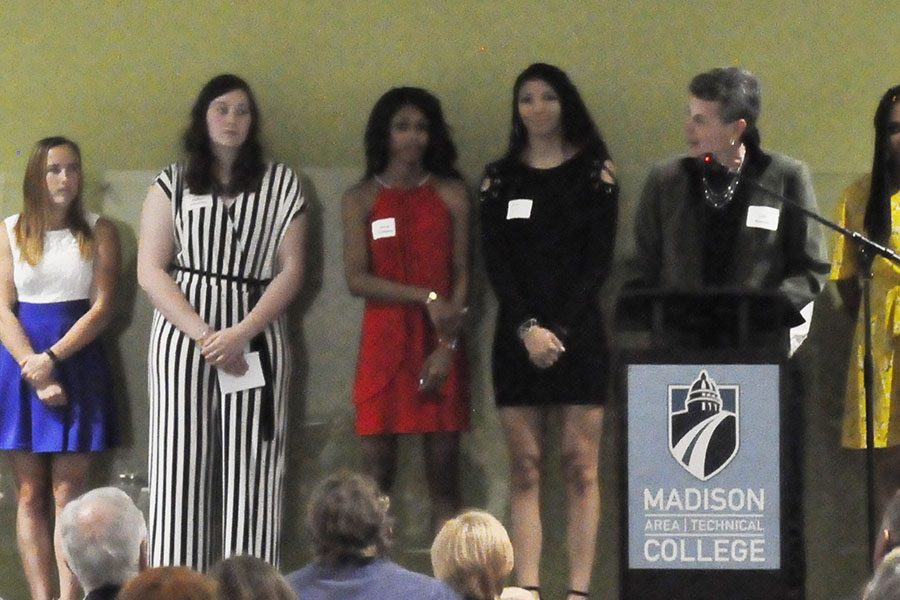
(215, 480)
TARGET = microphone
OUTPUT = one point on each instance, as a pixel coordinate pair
(711, 166)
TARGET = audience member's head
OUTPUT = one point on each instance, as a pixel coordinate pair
(889, 535)
(473, 554)
(249, 578)
(885, 585)
(170, 583)
(348, 518)
(104, 538)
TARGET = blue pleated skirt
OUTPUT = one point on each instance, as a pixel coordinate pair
(87, 422)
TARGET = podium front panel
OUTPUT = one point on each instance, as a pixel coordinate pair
(703, 467)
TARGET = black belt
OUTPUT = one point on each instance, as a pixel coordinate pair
(257, 344)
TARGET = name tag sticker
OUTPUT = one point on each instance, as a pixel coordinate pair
(519, 209)
(763, 217)
(384, 228)
(192, 202)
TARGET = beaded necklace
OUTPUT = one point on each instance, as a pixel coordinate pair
(719, 200)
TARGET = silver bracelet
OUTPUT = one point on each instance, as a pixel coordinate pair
(450, 344)
(525, 327)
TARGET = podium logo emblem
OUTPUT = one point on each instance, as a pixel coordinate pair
(704, 432)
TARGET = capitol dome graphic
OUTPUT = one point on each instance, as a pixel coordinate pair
(703, 426)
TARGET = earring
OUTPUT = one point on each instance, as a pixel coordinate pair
(732, 142)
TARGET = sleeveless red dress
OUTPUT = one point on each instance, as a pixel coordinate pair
(410, 235)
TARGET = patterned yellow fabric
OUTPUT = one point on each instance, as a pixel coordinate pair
(885, 326)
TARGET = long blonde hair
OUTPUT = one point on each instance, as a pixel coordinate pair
(32, 223)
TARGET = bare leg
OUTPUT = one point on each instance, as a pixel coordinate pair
(380, 459)
(523, 428)
(581, 431)
(442, 473)
(69, 473)
(32, 473)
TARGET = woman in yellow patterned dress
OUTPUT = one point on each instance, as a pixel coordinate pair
(872, 205)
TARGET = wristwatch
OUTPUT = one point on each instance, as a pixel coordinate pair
(53, 357)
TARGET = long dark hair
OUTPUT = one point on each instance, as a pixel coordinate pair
(248, 166)
(578, 128)
(440, 154)
(32, 224)
(878, 210)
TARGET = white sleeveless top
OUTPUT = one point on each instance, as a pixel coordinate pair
(62, 274)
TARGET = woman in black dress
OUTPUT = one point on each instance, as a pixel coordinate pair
(549, 220)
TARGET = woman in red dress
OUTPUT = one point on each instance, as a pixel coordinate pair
(406, 240)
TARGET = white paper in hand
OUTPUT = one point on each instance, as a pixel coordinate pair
(253, 378)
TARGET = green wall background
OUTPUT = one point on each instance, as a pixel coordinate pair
(120, 77)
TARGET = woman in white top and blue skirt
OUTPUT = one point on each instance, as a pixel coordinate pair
(58, 271)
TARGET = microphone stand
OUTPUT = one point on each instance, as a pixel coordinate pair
(867, 249)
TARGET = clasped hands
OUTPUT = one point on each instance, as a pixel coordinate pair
(446, 316)
(447, 319)
(543, 346)
(224, 349)
(37, 370)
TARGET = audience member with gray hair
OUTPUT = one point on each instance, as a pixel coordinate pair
(885, 585)
(885, 582)
(104, 540)
(889, 534)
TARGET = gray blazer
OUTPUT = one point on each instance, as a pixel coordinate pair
(781, 249)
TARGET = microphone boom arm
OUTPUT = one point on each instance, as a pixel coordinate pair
(865, 244)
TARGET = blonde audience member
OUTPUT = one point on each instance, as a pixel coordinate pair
(473, 554)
